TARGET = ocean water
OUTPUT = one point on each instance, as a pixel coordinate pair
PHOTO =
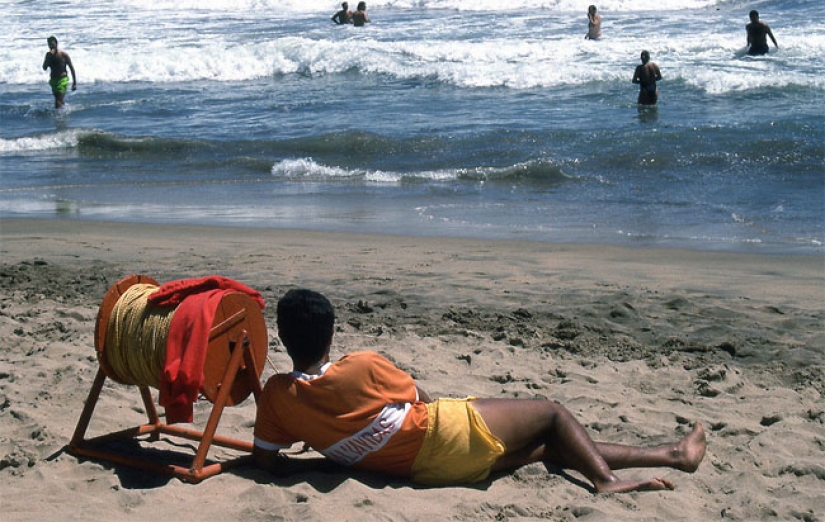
(468, 118)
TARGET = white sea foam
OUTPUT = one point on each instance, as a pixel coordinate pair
(306, 169)
(491, 63)
(58, 140)
(288, 7)
(540, 45)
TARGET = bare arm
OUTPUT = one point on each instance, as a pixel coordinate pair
(636, 75)
(657, 72)
(71, 68)
(422, 395)
(47, 60)
(770, 33)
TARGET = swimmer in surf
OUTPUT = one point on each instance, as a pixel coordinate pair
(359, 17)
(646, 76)
(757, 35)
(58, 61)
(344, 16)
(594, 24)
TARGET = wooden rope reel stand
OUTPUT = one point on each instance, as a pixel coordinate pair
(234, 362)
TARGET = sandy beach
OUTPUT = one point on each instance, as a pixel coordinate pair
(637, 343)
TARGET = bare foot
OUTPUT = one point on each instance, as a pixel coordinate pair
(624, 486)
(691, 450)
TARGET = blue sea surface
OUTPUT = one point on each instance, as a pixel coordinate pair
(439, 118)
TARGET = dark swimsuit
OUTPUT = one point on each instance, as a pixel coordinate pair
(757, 49)
(647, 93)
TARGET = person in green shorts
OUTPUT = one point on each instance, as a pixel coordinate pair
(58, 61)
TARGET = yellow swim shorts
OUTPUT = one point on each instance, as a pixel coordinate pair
(458, 447)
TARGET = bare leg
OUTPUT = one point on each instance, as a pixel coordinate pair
(684, 455)
(537, 430)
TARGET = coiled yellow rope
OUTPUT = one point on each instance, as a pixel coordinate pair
(136, 337)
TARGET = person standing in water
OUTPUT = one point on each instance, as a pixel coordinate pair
(344, 16)
(58, 61)
(757, 35)
(359, 17)
(594, 24)
(646, 76)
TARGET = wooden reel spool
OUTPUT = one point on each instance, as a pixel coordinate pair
(234, 362)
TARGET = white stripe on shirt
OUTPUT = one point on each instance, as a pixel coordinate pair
(352, 449)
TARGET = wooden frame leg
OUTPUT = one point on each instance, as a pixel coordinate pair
(88, 410)
(242, 359)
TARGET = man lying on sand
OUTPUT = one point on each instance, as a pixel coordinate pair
(362, 411)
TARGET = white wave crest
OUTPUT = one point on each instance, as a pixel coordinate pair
(58, 140)
(305, 6)
(306, 169)
(536, 44)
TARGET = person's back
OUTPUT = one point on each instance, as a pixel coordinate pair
(359, 17)
(758, 34)
(359, 411)
(646, 76)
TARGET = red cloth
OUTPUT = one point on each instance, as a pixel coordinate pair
(174, 292)
(197, 300)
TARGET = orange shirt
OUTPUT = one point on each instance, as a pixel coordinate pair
(362, 411)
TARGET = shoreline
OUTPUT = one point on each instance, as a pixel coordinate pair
(807, 270)
(637, 343)
(712, 247)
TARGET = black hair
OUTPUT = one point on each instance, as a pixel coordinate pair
(305, 324)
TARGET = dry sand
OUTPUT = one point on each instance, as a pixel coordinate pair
(638, 343)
